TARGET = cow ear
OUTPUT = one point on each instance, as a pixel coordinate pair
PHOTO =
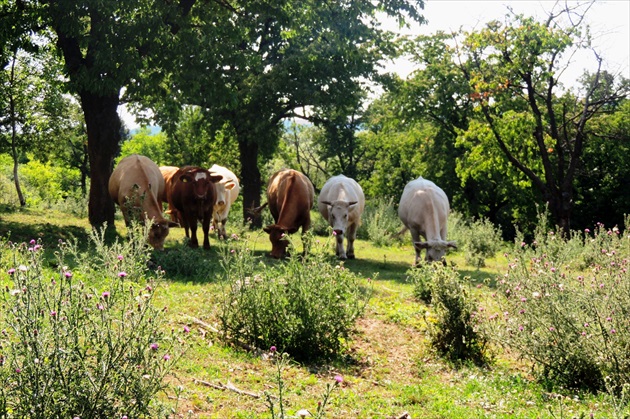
(268, 229)
(353, 203)
(229, 186)
(215, 178)
(326, 203)
(173, 224)
(451, 244)
(421, 245)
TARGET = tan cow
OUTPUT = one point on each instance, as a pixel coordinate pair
(424, 209)
(168, 172)
(341, 202)
(290, 196)
(227, 192)
(137, 186)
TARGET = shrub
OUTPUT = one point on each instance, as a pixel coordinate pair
(380, 222)
(421, 277)
(306, 306)
(82, 342)
(480, 240)
(453, 331)
(570, 322)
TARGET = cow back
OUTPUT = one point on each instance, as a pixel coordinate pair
(424, 206)
(342, 189)
(290, 195)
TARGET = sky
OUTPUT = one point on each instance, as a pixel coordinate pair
(609, 21)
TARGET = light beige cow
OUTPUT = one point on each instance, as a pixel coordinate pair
(424, 209)
(227, 192)
(137, 186)
(341, 203)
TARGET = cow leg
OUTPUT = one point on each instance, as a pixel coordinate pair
(205, 227)
(192, 224)
(415, 238)
(341, 253)
(351, 234)
(223, 231)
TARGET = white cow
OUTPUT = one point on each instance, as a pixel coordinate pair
(341, 202)
(424, 210)
(227, 192)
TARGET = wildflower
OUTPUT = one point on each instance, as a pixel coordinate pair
(11, 271)
(231, 250)
(586, 230)
(521, 312)
(608, 319)
(583, 333)
(523, 299)
(18, 370)
(166, 357)
(613, 331)
(154, 346)
(520, 328)
(32, 241)
(53, 313)
(551, 328)
(37, 247)
(100, 306)
(122, 274)
(339, 379)
(22, 268)
(273, 349)
(536, 294)
(186, 329)
(105, 294)
(234, 236)
(148, 288)
(67, 274)
(586, 324)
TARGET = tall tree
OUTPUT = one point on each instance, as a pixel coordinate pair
(105, 46)
(514, 74)
(291, 56)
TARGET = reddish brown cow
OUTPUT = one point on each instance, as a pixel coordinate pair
(290, 197)
(137, 186)
(193, 195)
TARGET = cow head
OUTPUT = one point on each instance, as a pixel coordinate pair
(436, 249)
(201, 182)
(277, 236)
(158, 232)
(223, 194)
(338, 212)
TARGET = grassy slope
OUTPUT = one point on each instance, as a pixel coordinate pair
(389, 368)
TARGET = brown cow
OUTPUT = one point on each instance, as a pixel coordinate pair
(168, 172)
(137, 186)
(290, 196)
(193, 194)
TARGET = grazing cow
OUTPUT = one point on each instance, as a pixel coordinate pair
(290, 196)
(137, 186)
(341, 202)
(424, 210)
(193, 194)
(227, 192)
(167, 173)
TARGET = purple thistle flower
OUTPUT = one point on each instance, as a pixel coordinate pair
(120, 257)
(154, 346)
(32, 241)
(11, 271)
(339, 379)
(105, 294)
(613, 331)
(122, 274)
(67, 274)
(166, 357)
(186, 329)
(273, 349)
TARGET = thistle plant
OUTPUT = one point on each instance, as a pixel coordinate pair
(277, 408)
(568, 318)
(81, 341)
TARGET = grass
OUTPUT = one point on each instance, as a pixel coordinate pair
(388, 369)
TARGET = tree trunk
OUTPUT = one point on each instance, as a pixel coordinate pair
(250, 179)
(104, 131)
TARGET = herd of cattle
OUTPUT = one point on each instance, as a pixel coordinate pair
(195, 194)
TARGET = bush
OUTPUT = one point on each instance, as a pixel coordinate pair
(480, 240)
(380, 222)
(304, 306)
(571, 322)
(85, 342)
(453, 331)
(421, 277)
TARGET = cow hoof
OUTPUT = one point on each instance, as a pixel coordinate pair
(342, 257)
(351, 257)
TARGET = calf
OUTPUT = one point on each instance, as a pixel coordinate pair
(341, 202)
(290, 196)
(193, 195)
(424, 209)
(137, 186)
